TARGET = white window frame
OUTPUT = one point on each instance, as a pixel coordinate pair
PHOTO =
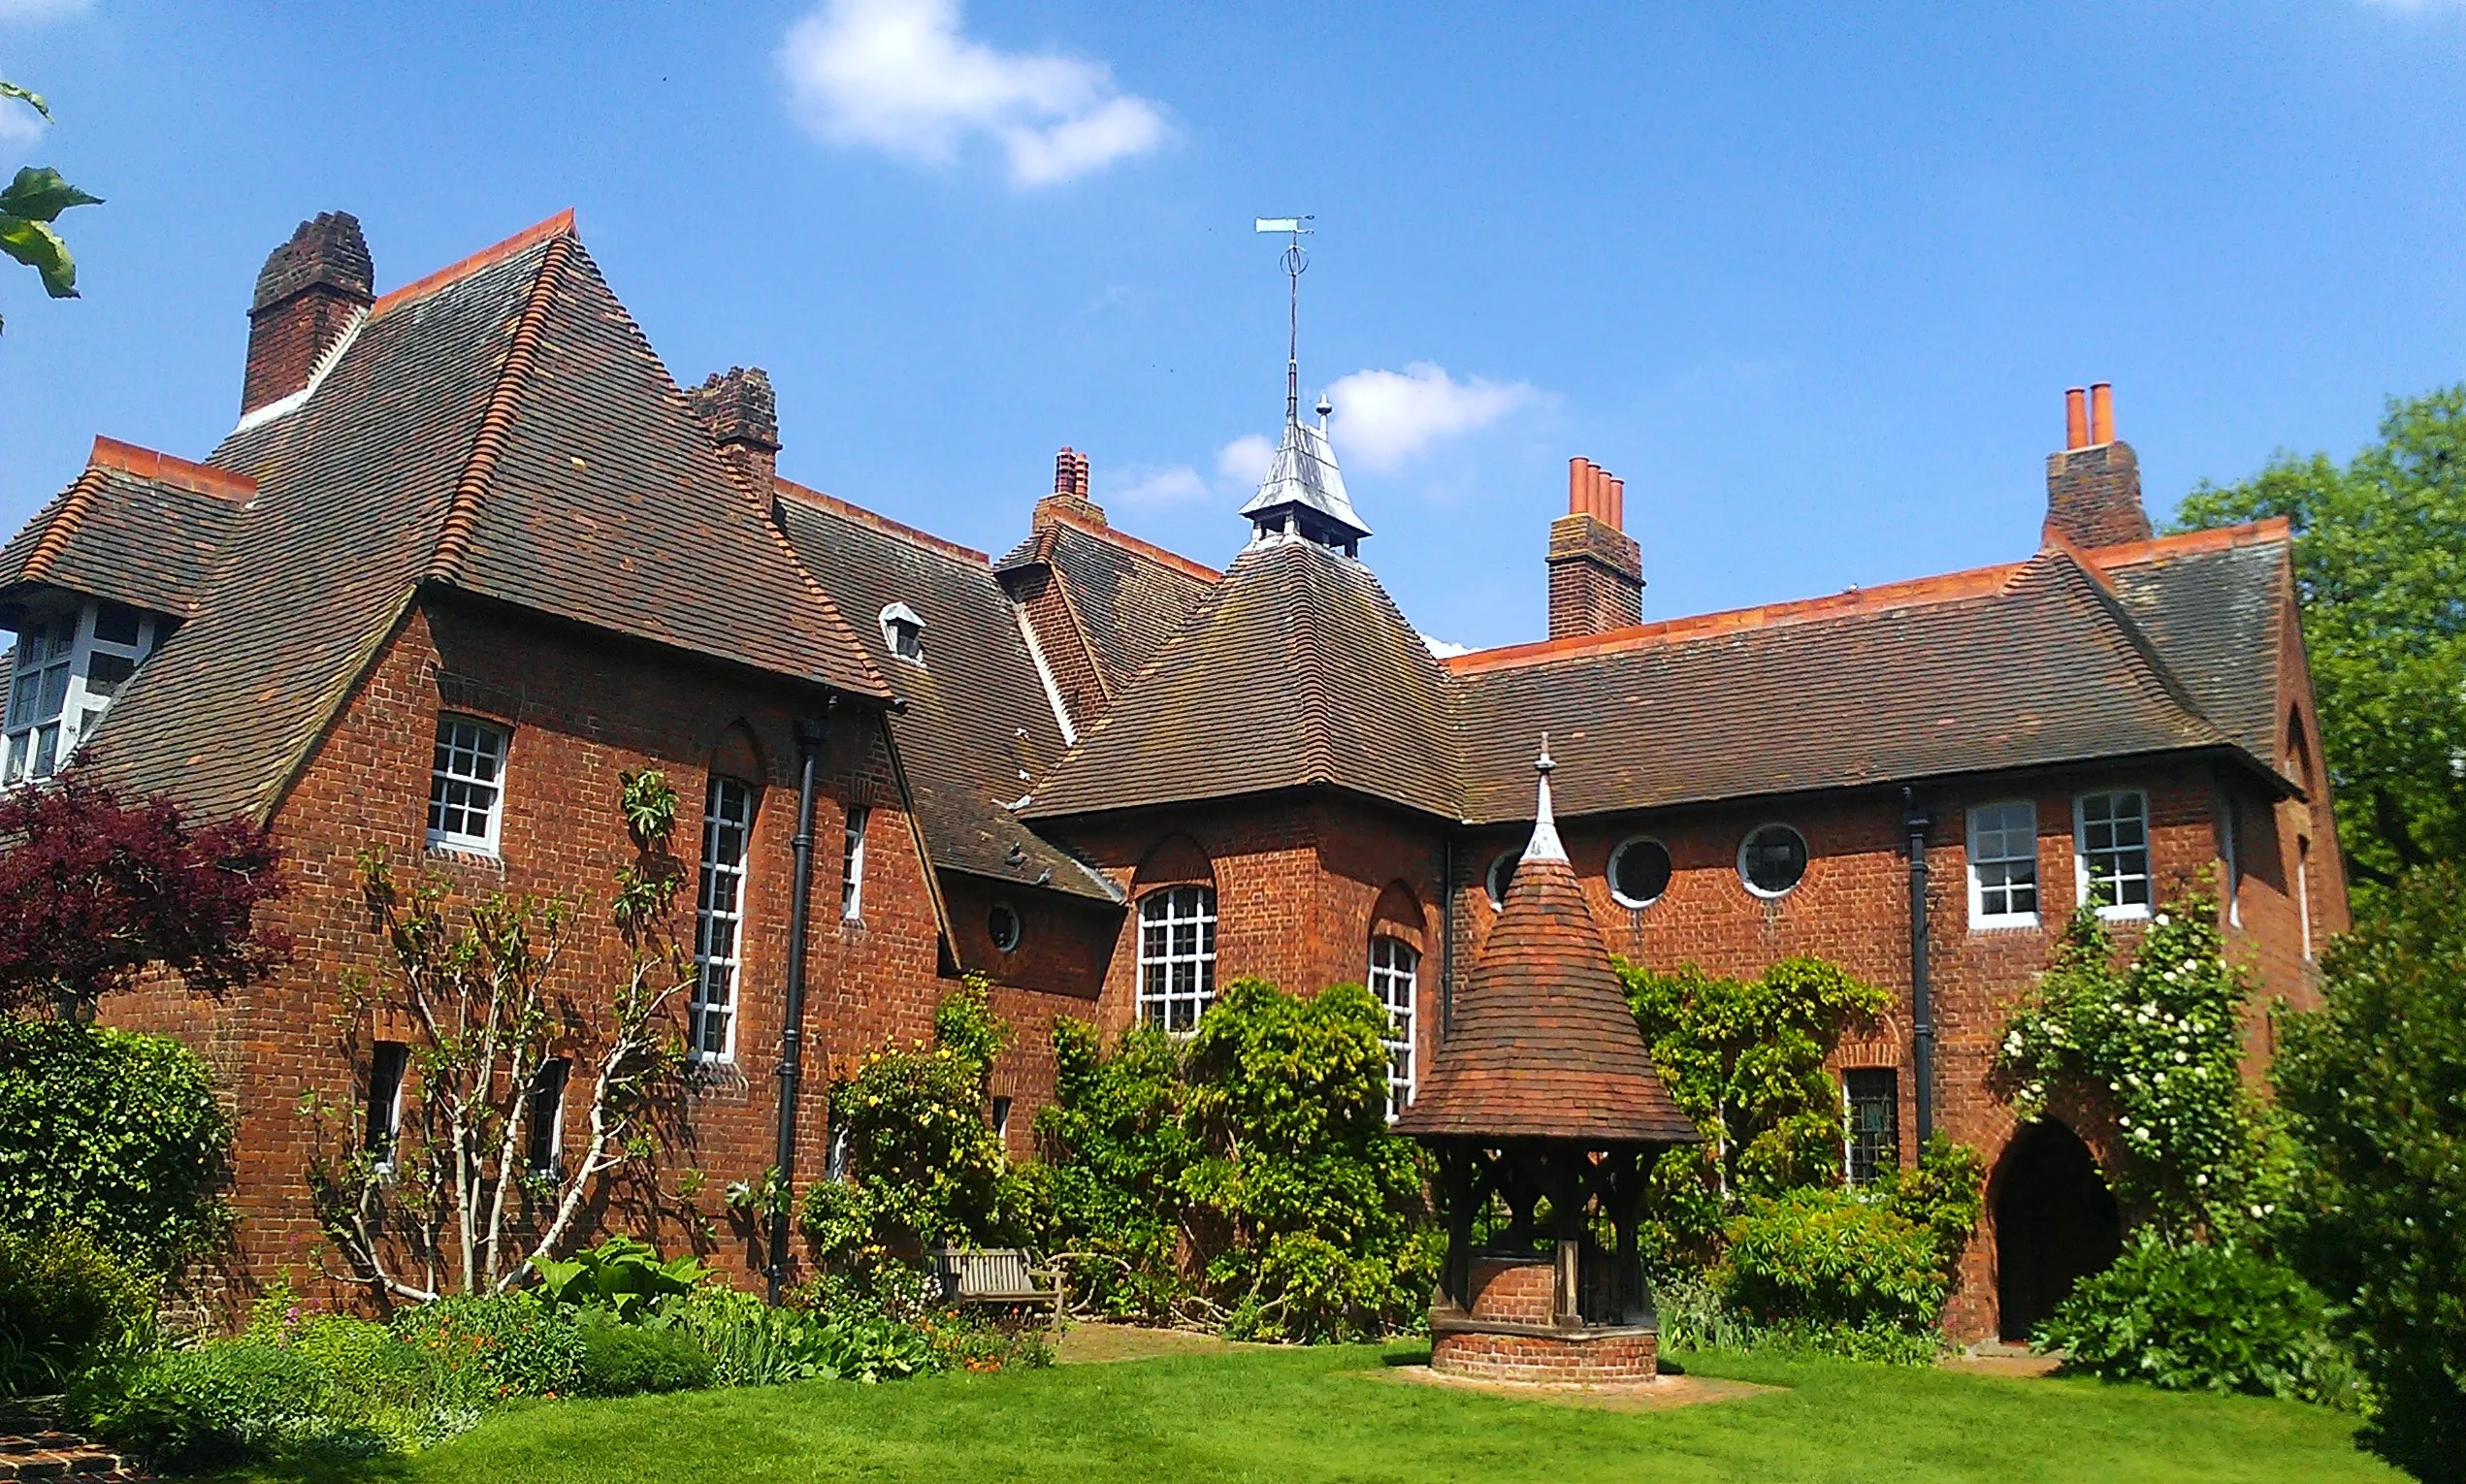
(1806, 863)
(1990, 846)
(1500, 879)
(1395, 982)
(1176, 956)
(66, 722)
(719, 919)
(852, 864)
(442, 779)
(899, 616)
(1615, 857)
(2084, 875)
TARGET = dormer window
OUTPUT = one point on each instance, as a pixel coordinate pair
(69, 669)
(903, 633)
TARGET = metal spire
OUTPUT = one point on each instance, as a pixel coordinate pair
(1303, 495)
(1296, 263)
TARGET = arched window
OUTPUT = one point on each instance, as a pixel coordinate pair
(719, 919)
(1176, 956)
(1395, 973)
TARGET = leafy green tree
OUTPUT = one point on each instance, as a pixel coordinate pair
(2380, 554)
(31, 204)
(2373, 1088)
(1744, 1058)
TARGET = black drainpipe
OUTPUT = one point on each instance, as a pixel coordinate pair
(810, 736)
(1446, 932)
(1921, 999)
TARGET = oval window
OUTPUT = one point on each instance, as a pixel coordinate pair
(1002, 925)
(1772, 860)
(1502, 874)
(1639, 872)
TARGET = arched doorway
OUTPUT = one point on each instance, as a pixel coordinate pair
(2056, 1223)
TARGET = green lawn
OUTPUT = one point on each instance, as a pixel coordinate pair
(1335, 1414)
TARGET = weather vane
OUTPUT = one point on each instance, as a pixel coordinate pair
(1296, 263)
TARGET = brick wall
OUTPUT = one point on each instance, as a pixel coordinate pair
(581, 711)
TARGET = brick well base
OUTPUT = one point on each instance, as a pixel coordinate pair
(1611, 1356)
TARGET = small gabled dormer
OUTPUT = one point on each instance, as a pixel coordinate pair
(70, 663)
(903, 633)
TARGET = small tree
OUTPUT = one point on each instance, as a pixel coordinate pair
(2374, 1086)
(483, 999)
(95, 890)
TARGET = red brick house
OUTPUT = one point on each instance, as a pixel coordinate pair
(471, 552)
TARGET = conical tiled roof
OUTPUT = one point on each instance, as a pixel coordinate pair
(1542, 1045)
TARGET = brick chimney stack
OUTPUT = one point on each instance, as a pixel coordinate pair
(308, 294)
(1070, 492)
(2093, 486)
(742, 413)
(1597, 570)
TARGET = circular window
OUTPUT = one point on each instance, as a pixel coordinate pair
(1501, 873)
(1772, 860)
(1639, 872)
(1002, 925)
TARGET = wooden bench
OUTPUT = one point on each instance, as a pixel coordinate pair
(999, 1278)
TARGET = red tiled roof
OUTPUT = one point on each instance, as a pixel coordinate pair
(500, 429)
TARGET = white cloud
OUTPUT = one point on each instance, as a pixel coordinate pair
(1155, 485)
(1384, 418)
(899, 76)
(1246, 459)
(30, 11)
(19, 125)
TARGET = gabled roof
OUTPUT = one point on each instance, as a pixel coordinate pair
(2029, 665)
(2218, 610)
(137, 527)
(978, 726)
(1130, 596)
(1540, 1044)
(499, 429)
(1295, 671)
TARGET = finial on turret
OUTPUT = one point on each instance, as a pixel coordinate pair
(1546, 844)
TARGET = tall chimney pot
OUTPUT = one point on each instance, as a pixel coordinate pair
(1597, 570)
(308, 294)
(2093, 486)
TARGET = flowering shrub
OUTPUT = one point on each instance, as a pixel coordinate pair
(2160, 1042)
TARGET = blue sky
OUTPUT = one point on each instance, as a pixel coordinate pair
(1812, 279)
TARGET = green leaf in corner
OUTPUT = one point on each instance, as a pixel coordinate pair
(35, 245)
(9, 89)
(41, 194)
